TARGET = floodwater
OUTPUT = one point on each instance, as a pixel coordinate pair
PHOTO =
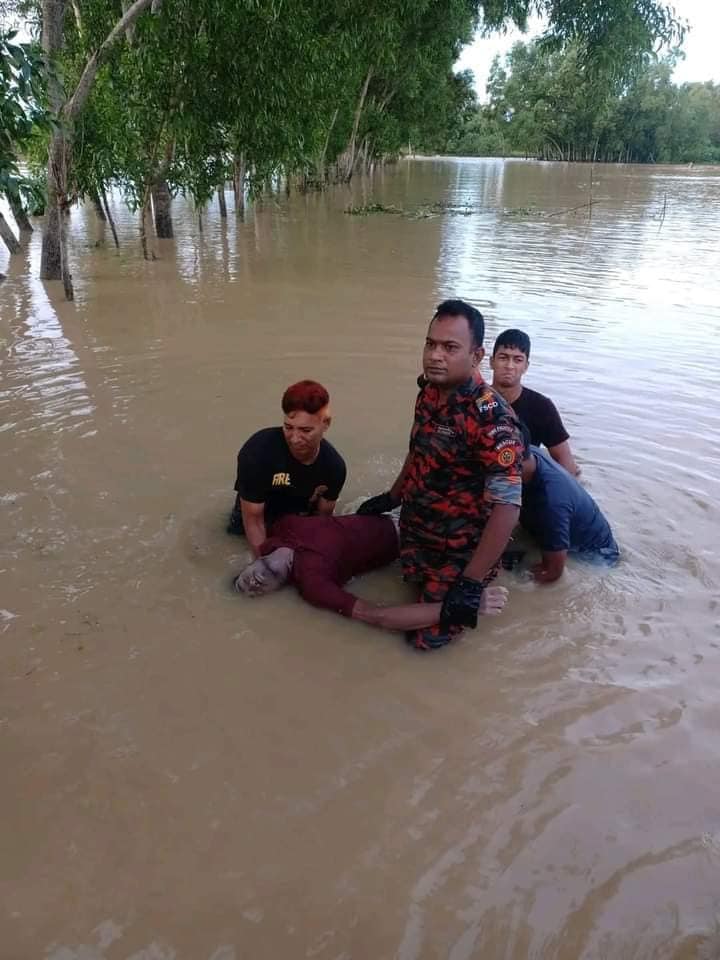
(190, 774)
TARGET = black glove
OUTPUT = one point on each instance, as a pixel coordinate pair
(461, 604)
(382, 503)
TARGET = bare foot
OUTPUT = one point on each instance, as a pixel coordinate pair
(492, 601)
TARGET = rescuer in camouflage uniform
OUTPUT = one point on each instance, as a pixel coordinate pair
(461, 483)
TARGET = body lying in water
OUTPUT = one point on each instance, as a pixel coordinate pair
(318, 555)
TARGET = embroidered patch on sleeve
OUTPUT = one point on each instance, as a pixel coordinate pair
(507, 457)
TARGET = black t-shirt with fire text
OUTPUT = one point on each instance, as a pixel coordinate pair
(268, 473)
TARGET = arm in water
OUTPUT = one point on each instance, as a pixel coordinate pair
(498, 530)
(562, 454)
(550, 567)
(418, 616)
(253, 517)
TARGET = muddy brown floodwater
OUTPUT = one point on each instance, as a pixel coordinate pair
(188, 774)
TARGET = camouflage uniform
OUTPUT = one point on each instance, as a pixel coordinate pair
(466, 456)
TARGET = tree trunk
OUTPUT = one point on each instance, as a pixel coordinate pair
(78, 18)
(221, 199)
(20, 214)
(161, 203)
(97, 204)
(108, 214)
(99, 215)
(130, 32)
(348, 159)
(148, 252)
(51, 259)
(239, 171)
(8, 237)
(321, 171)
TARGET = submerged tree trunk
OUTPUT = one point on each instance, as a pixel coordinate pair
(20, 214)
(239, 171)
(161, 203)
(53, 260)
(108, 214)
(101, 218)
(8, 237)
(148, 252)
(97, 204)
(221, 199)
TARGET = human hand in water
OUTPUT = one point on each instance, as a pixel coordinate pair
(543, 574)
(550, 567)
(382, 503)
(493, 601)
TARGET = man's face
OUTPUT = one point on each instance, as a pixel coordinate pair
(508, 365)
(304, 431)
(450, 356)
(266, 574)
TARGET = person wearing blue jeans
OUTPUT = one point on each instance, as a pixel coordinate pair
(562, 517)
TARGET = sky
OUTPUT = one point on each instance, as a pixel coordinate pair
(702, 58)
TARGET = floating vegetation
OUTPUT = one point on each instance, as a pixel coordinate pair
(523, 212)
(367, 208)
(429, 210)
(425, 211)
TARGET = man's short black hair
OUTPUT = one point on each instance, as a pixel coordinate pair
(459, 308)
(516, 339)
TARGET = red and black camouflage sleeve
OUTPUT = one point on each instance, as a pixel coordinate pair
(498, 444)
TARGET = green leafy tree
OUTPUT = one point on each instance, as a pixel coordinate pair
(21, 96)
(166, 96)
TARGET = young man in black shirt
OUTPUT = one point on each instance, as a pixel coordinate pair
(290, 469)
(509, 362)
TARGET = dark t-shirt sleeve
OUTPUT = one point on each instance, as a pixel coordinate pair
(552, 428)
(253, 470)
(554, 528)
(337, 472)
(315, 580)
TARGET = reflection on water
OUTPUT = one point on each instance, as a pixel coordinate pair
(194, 775)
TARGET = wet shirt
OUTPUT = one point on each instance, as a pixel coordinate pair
(541, 417)
(465, 456)
(268, 473)
(561, 515)
(331, 550)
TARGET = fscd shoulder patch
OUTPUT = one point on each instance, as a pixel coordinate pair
(506, 457)
(486, 402)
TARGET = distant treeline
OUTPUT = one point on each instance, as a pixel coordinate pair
(548, 105)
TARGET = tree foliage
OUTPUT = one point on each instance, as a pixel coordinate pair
(191, 93)
(548, 104)
(21, 95)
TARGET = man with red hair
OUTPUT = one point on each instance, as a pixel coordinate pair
(290, 469)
